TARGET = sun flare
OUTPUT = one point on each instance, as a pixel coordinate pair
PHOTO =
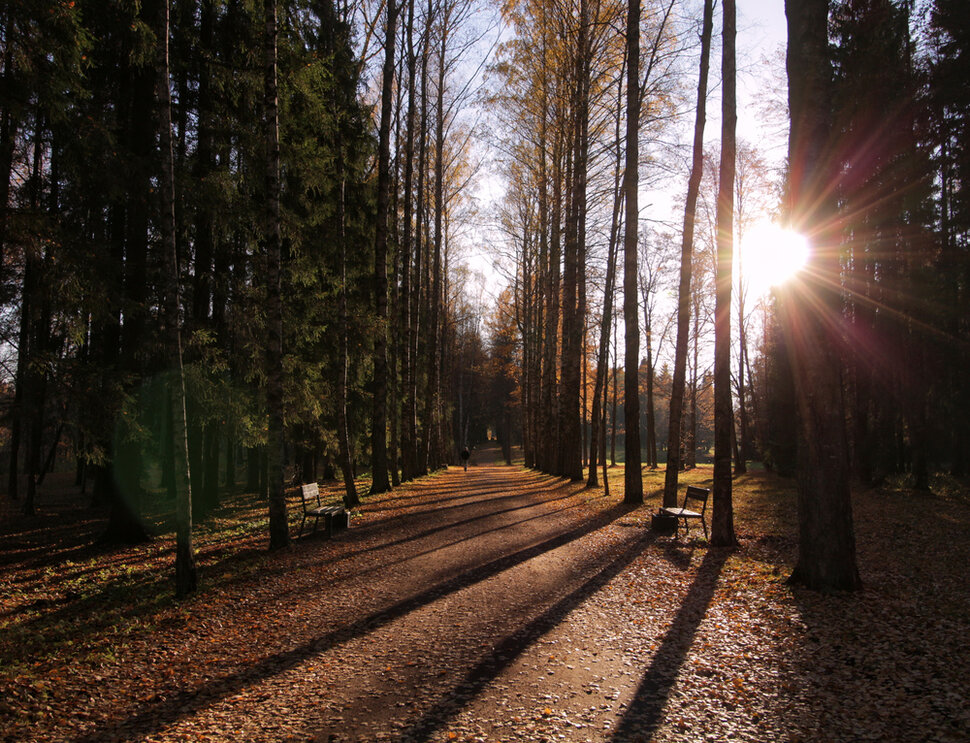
(769, 255)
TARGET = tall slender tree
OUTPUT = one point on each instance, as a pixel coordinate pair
(186, 574)
(379, 464)
(279, 534)
(633, 481)
(722, 527)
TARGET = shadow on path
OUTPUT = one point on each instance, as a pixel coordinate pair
(644, 713)
(506, 651)
(181, 703)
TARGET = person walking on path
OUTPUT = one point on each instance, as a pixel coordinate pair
(464, 458)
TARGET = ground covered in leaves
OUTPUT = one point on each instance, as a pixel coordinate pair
(495, 604)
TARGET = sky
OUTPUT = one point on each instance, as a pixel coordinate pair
(761, 36)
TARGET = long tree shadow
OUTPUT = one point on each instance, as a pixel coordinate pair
(469, 500)
(644, 713)
(446, 527)
(453, 542)
(180, 703)
(513, 480)
(506, 651)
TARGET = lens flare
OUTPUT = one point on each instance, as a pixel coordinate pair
(770, 255)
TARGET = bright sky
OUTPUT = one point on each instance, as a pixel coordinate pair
(761, 36)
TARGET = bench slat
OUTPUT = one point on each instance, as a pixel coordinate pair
(682, 513)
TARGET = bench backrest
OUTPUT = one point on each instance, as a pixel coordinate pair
(695, 493)
(310, 492)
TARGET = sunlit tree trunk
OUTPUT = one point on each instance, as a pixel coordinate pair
(432, 443)
(406, 319)
(598, 427)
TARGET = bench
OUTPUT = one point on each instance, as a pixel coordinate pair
(685, 514)
(334, 517)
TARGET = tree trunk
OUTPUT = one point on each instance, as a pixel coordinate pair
(406, 318)
(351, 499)
(431, 443)
(419, 289)
(379, 468)
(8, 136)
(651, 412)
(279, 533)
(722, 521)
(598, 427)
(633, 481)
(674, 461)
(826, 551)
(186, 574)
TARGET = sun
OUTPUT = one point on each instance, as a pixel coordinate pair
(769, 255)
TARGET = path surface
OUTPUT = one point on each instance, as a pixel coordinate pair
(499, 604)
(481, 605)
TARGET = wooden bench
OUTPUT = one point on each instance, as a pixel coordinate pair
(334, 517)
(685, 514)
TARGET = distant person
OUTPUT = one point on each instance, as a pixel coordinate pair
(464, 458)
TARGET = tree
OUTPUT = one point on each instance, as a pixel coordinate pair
(279, 533)
(186, 574)
(633, 481)
(722, 526)
(811, 314)
(606, 320)
(379, 464)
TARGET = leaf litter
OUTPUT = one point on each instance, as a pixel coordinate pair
(495, 605)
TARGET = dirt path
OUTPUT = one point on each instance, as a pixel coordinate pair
(499, 604)
(429, 622)
(464, 607)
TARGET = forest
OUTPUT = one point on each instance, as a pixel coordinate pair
(250, 245)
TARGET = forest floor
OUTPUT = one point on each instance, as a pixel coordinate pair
(496, 604)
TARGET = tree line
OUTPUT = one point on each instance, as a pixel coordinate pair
(222, 256)
(860, 371)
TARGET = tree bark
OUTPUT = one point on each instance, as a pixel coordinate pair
(722, 521)
(379, 468)
(351, 499)
(633, 481)
(406, 318)
(279, 533)
(598, 427)
(811, 314)
(186, 574)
